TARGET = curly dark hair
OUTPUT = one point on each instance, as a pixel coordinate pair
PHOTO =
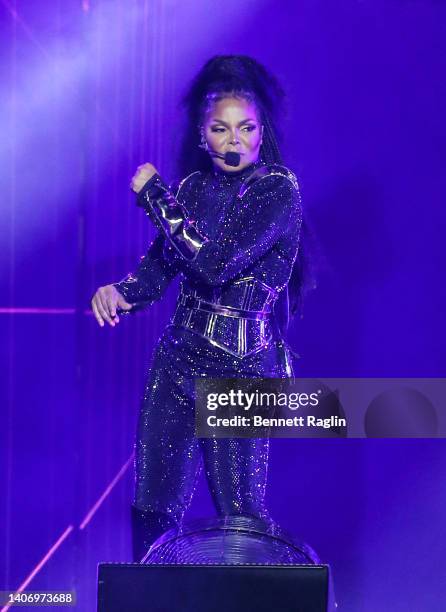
(242, 76)
(226, 76)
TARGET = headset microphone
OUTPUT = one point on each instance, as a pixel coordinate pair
(232, 158)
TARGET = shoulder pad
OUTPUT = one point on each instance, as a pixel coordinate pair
(186, 179)
(264, 171)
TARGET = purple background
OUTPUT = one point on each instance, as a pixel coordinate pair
(88, 91)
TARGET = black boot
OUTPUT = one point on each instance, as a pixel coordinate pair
(147, 526)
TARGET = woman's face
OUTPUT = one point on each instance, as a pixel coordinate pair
(232, 124)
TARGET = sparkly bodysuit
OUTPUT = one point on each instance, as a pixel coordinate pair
(233, 238)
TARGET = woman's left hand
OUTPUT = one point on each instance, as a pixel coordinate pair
(142, 175)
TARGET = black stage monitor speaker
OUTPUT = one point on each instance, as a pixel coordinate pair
(131, 587)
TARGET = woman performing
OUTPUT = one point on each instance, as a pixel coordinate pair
(230, 229)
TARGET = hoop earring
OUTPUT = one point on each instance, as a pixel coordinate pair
(203, 142)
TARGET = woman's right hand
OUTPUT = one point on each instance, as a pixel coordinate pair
(105, 302)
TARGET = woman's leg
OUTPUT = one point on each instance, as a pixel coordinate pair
(236, 472)
(236, 468)
(167, 454)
